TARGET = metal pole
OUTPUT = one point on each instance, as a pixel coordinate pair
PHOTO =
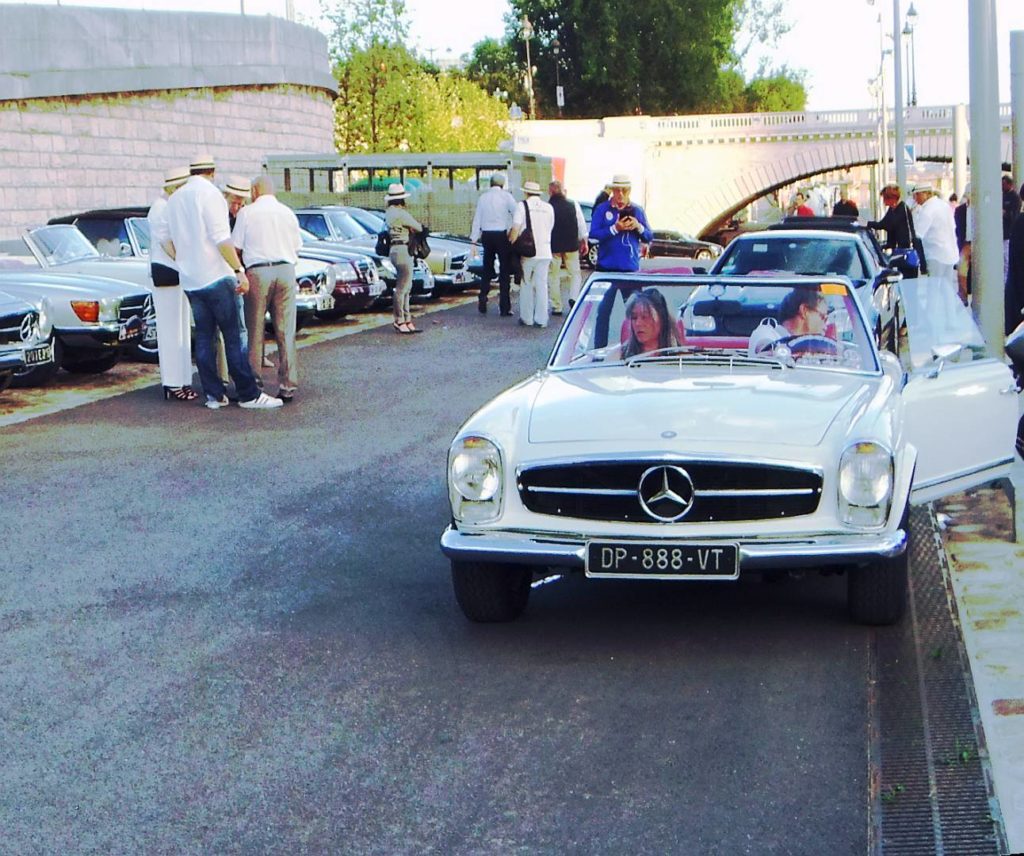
(897, 60)
(986, 166)
(960, 136)
(913, 69)
(1017, 102)
(885, 131)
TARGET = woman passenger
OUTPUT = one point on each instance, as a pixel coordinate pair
(651, 325)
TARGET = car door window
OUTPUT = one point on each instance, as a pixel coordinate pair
(316, 224)
(933, 320)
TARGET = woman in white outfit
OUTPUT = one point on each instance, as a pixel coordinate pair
(173, 318)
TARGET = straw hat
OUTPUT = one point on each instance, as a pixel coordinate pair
(177, 175)
(531, 188)
(238, 186)
(925, 187)
(202, 161)
(621, 180)
(395, 191)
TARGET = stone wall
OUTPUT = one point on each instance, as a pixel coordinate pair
(96, 104)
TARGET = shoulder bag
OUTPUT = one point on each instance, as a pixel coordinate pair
(418, 246)
(383, 247)
(524, 244)
(163, 275)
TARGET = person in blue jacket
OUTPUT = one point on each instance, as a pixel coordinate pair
(618, 227)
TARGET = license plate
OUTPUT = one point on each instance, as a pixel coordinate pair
(38, 356)
(461, 277)
(129, 330)
(324, 301)
(661, 560)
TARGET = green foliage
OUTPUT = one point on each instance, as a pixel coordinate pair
(358, 25)
(494, 65)
(780, 92)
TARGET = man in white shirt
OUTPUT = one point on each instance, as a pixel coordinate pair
(267, 235)
(491, 222)
(197, 237)
(533, 295)
(934, 226)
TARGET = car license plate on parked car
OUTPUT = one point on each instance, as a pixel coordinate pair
(324, 302)
(661, 560)
(38, 356)
(130, 330)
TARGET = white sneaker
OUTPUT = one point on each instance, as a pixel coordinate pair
(264, 402)
(215, 404)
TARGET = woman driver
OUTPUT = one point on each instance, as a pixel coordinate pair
(651, 325)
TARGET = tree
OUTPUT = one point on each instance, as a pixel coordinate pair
(782, 91)
(358, 25)
(494, 65)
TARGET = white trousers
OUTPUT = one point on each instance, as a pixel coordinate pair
(173, 335)
(559, 293)
(533, 294)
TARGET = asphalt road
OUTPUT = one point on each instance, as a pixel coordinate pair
(234, 632)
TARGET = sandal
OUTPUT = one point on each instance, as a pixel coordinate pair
(403, 329)
(410, 329)
(180, 393)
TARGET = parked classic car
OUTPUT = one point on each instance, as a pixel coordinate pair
(705, 462)
(94, 319)
(449, 258)
(331, 223)
(65, 250)
(671, 243)
(25, 333)
(123, 233)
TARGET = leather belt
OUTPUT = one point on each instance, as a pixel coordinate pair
(267, 264)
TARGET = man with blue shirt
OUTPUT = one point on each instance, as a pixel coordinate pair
(618, 227)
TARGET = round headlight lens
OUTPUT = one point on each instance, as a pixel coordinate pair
(45, 318)
(330, 279)
(865, 474)
(475, 469)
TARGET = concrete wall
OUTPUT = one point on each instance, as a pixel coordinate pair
(95, 104)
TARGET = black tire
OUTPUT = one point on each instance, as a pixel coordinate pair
(876, 594)
(489, 592)
(592, 255)
(96, 364)
(41, 375)
(145, 353)
(5, 380)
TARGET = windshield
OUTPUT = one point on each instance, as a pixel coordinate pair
(814, 256)
(741, 323)
(368, 220)
(62, 244)
(345, 225)
(139, 227)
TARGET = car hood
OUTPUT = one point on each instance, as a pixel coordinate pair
(67, 284)
(644, 405)
(129, 270)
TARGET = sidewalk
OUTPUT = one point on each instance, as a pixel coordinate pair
(987, 577)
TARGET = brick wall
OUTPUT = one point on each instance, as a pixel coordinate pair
(65, 154)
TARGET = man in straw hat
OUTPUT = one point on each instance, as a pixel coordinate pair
(267, 235)
(533, 294)
(197, 236)
(618, 227)
(173, 320)
(934, 226)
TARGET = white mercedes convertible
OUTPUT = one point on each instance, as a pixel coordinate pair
(700, 428)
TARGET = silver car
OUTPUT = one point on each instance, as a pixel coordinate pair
(25, 333)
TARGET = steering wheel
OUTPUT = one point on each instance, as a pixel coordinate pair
(806, 345)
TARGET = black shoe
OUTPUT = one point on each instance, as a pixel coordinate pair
(482, 308)
(506, 314)
(559, 312)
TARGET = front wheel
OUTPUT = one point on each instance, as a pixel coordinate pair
(491, 592)
(877, 593)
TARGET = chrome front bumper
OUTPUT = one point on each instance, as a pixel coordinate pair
(520, 548)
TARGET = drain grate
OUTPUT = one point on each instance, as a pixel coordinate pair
(931, 789)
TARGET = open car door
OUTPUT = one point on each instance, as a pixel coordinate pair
(960, 404)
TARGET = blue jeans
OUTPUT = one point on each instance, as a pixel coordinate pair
(214, 306)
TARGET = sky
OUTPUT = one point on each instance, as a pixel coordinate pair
(835, 41)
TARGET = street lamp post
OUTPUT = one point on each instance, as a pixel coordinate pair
(912, 23)
(556, 47)
(527, 28)
(899, 155)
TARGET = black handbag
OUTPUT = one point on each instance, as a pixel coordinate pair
(418, 246)
(383, 247)
(524, 245)
(163, 275)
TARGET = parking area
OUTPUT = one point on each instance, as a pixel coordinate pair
(71, 390)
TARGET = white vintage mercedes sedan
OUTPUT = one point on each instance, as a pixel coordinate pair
(700, 428)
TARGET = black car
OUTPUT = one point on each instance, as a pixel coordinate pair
(681, 245)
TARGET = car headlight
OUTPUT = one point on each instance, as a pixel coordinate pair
(45, 318)
(865, 484)
(474, 479)
(330, 279)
